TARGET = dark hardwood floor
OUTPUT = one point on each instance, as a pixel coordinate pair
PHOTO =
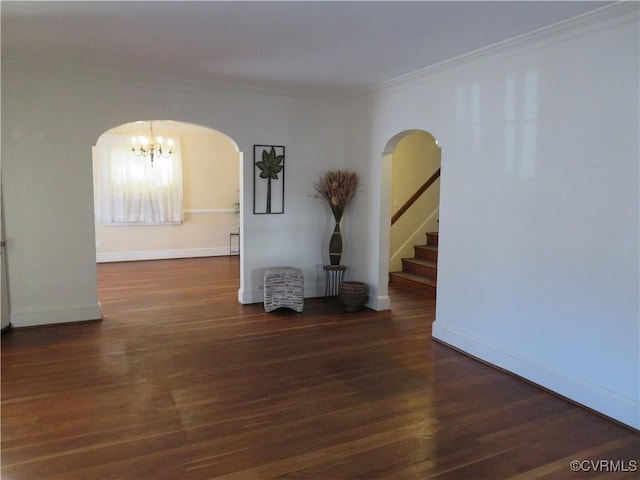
(181, 382)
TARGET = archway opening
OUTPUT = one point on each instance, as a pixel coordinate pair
(210, 188)
(411, 193)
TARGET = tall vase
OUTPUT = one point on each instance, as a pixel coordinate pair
(335, 245)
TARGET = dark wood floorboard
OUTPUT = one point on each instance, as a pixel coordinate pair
(179, 381)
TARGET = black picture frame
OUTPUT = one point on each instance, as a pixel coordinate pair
(268, 179)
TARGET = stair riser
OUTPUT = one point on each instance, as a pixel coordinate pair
(424, 254)
(416, 276)
(432, 239)
(407, 284)
(419, 269)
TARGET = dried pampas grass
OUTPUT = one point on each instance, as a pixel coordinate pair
(337, 188)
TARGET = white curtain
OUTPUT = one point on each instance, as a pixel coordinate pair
(131, 190)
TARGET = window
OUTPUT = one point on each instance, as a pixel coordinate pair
(132, 191)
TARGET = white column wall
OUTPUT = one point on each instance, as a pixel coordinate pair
(539, 230)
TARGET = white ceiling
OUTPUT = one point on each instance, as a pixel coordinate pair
(329, 47)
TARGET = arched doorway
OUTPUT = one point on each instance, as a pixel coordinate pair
(211, 192)
(410, 161)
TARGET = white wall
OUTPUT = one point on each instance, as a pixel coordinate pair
(539, 230)
(5, 320)
(50, 120)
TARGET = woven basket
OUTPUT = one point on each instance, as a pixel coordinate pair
(353, 295)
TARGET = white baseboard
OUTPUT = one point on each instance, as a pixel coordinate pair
(379, 303)
(248, 297)
(48, 317)
(161, 254)
(595, 397)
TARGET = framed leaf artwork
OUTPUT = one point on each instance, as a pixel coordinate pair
(268, 179)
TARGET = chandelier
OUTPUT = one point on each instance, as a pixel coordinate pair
(151, 146)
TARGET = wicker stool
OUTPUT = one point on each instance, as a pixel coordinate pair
(283, 287)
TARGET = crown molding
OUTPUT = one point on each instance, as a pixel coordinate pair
(178, 84)
(605, 17)
(600, 19)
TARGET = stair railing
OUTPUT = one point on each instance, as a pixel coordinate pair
(415, 197)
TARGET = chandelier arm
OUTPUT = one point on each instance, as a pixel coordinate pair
(152, 148)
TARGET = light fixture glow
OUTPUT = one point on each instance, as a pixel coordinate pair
(150, 146)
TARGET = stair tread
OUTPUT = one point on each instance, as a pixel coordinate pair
(424, 264)
(416, 278)
(421, 261)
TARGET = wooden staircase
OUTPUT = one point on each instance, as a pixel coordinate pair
(419, 274)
